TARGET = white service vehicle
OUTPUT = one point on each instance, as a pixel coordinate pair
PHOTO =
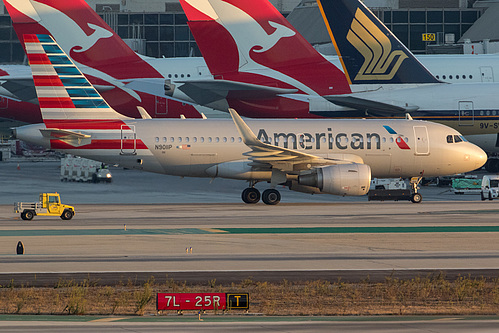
(388, 184)
(490, 187)
(78, 169)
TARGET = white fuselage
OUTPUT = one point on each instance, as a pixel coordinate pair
(213, 148)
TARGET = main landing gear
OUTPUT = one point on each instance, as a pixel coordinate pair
(415, 196)
(270, 196)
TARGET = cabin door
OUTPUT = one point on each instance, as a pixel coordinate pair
(422, 140)
(128, 140)
(466, 113)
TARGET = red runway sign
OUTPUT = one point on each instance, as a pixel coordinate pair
(201, 301)
(192, 301)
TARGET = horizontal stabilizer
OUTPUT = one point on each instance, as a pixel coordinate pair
(370, 106)
(71, 137)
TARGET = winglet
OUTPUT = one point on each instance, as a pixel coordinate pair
(143, 113)
(247, 134)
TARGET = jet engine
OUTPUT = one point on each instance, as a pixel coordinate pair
(342, 179)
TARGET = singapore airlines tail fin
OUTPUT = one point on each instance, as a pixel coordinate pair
(246, 40)
(82, 33)
(369, 52)
(65, 96)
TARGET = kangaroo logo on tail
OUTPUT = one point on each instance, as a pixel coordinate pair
(280, 32)
(380, 62)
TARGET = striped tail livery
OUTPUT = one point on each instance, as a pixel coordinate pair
(74, 113)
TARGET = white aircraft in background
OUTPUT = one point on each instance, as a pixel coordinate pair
(116, 69)
(261, 90)
(315, 156)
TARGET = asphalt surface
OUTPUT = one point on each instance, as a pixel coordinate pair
(23, 181)
(145, 224)
(265, 324)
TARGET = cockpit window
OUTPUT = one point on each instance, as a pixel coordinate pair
(456, 138)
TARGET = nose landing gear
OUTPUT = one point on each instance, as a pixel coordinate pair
(415, 196)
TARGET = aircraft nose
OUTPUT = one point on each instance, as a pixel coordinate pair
(477, 156)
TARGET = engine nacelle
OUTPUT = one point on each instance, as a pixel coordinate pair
(342, 179)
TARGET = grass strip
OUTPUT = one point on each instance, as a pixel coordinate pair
(427, 295)
(297, 230)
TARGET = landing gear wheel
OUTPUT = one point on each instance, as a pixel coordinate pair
(28, 215)
(416, 198)
(271, 197)
(67, 215)
(250, 195)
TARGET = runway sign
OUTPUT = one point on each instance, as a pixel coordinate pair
(201, 301)
(238, 301)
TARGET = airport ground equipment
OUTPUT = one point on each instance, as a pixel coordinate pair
(466, 185)
(395, 190)
(49, 205)
(490, 187)
(385, 195)
(77, 169)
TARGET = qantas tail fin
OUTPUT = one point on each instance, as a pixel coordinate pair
(81, 33)
(369, 52)
(64, 94)
(243, 40)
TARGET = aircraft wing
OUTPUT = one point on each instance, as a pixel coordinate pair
(19, 88)
(284, 159)
(210, 93)
(370, 106)
(235, 89)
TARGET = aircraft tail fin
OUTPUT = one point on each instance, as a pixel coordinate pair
(369, 52)
(64, 94)
(82, 33)
(241, 40)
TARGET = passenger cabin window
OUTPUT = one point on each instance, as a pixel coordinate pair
(449, 139)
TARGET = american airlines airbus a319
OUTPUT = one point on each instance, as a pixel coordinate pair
(314, 156)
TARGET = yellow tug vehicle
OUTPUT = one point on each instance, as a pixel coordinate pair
(49, 205)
